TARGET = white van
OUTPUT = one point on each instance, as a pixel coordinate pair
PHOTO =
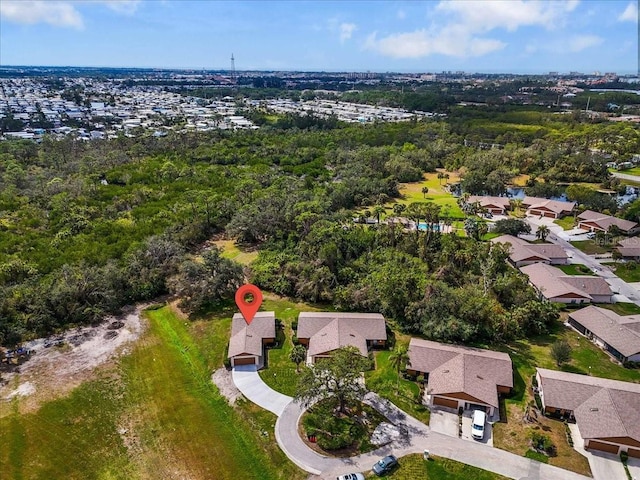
(477, 424)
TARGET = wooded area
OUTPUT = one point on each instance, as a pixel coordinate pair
(87, 227)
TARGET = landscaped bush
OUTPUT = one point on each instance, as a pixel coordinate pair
(567, 431)
(542, 443)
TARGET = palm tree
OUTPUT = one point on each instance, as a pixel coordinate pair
(440, 177)
(542, 232)
(398, 208)
(298, 355)
(446, 177)
(425, 190)
(377, 211)
(398, 359)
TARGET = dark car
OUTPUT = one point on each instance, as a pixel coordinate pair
(385, 465)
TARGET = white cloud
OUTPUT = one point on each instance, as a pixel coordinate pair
(346, 31)
(630, 13)
(59, 14)
(486, 15)
(125, 7)
(401, 15)
(582, 42)
(460, 27)
(421, 43)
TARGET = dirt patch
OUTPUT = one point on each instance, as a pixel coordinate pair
(223, 380)
(60, 363)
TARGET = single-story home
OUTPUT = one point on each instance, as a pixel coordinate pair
(618, 335)
(556, 286)
(522, 252)
(461, 377)
(607, 412)
(544, 207)
(247, 343)
(493, 205)
(629, 248)
(599, 222)
(324, 332)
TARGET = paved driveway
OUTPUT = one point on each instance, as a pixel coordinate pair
(466, 429)
(251, 385)
(604, 466)
(444, 421)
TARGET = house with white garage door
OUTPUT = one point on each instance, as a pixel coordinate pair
(607, 412)
(249, 340)
(461, 377)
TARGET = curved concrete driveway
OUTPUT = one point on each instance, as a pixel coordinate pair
(251, 385)
(417, 437)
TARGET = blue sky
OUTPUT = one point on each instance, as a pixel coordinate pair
(520, 36)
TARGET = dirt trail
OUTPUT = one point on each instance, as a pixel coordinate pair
(60, 363)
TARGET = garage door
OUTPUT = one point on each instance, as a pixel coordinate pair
(634, 452)
(603, 447)
(445, 402)
(244, 361)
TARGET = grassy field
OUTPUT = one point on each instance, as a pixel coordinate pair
(384, 379)
(414, 466)
(631, 171)
(575, 269)
(622, 308)
(590, 247)
(567, 223)
(412, 192)
(629, 272)
(154, 414)
(231, 251)
(280, 373)
(526, 354)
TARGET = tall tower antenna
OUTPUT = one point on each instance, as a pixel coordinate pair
(233, 67)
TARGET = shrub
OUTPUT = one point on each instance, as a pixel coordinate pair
(294, 325)
(538, 401)
(542, 442)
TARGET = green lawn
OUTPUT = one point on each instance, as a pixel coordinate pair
(622, 308)
(155, 414)
(628, 271)
(384, 379)
(231, 251)
(414, 466)
(567, 223)
(575, 269)
(280, 373)
(631, 171)
(412, 192)
(591, 247)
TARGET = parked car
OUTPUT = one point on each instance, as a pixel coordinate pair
(385, 465)
(477, 424)
(351, 476)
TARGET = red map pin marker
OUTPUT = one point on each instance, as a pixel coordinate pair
(248, 308)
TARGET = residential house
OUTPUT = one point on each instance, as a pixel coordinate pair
(461, 377)
(544, 207)
(629, 248)
(493, 205)
(596, 221)
(324, 332)
(618, 335)
(607, 412)
(556, 286)
(248, 340)
(522, 252)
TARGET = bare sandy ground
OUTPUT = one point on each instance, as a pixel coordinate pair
(223, 380)
(62, 362)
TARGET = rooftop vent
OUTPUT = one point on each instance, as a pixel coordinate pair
(593, 409)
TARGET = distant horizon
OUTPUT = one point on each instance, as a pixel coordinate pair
(520, 36)
(591, 72)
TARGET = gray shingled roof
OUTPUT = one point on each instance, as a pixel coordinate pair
(456, 369)
(248, 338)
(521, 250)
(556, 206)
(621, 332)
(553, 282)
(603, 408)
(606, 221)
(328, 331)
